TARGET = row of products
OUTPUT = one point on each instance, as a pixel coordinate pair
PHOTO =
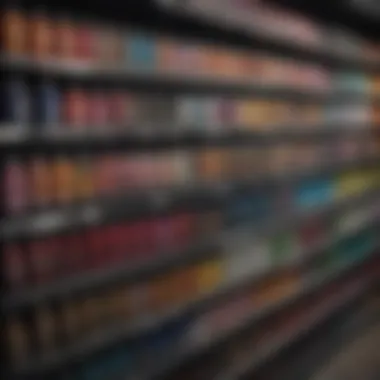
(44, 260)
(50, 327)
(45, 104)
(46, 35)
(278, 328)
(288, 246)
(41, 181)
(274, 20)
(55, 326)
(43, 36)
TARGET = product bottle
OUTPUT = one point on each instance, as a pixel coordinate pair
(13, 31)
(15, 185)
(40, 35)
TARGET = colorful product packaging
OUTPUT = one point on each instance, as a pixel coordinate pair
(14, 26)
(110, 47)
(15, 186)
(40, 35)
(85, 39)
(64, 39)
(65, 179)
(47, 105)
(42, 181)
(15, 102)
(141, 52)
(75, 108)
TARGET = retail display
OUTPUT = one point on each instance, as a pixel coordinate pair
(129, 263)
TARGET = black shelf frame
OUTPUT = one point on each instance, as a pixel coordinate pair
(172, 82)
(60, 139)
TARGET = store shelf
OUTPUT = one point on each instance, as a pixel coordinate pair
(161, 63)
(156, 201)
(256, 359)
(16, 139)
(122, 332)
(92, 280)
(133, 271)
(304, 357)
(172, 82)
(190, 353)
(227, 20)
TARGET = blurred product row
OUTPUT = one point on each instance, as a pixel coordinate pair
(43, 37)
(271, 20)
(40, 181)
(46, 260)
(46, 104)
(48, 329)
(133, 296)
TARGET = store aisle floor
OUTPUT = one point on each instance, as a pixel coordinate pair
(360, 360)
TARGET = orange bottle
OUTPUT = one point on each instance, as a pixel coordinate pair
(13, 31)
(64, 35)
(42, 182)
(40, 35)
(65, 180)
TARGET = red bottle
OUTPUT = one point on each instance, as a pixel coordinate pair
(75, 108)
(15, 186)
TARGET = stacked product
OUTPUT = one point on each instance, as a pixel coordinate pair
(128, 295)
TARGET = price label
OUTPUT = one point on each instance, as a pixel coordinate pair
(49, 222)
(12, 133)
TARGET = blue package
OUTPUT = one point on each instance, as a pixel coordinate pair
(15, 102)
(47, 104)
(246, 208)
(314, 192)
(352, 82)
(141, 51)
(358, 247)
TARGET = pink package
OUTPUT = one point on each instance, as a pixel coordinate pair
(15, 186)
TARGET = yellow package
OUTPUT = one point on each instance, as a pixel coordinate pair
(209, 275)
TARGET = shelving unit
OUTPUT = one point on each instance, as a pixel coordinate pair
(152, 245)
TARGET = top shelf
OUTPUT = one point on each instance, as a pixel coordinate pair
(228, 20)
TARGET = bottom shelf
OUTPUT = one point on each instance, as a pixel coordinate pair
(322, 348)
